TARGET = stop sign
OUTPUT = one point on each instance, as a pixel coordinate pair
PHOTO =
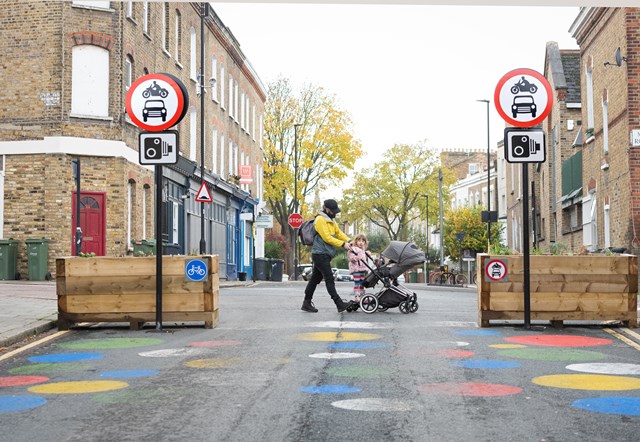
(295, 220)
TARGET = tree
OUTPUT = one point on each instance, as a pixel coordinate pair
(326, 149)
(467, 220)
(391, 194)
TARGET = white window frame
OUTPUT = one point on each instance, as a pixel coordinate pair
(145, 17)
(230, 158)
(606, 223)
(193, 62)
(90, 81)
(222, 106)
(129, 211)
(213, 81)
(178, 37)
(214, 148)
(589, 83)
(605, 122)
(165, 27)
(221, 171)
(231, 109)
(193, 132)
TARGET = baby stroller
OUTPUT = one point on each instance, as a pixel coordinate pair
(400, 256)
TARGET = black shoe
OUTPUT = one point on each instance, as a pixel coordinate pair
(308, 306)
(341, 305)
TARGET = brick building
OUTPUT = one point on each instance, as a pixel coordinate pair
(609, 41)
(66, 70)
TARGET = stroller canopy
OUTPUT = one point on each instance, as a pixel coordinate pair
(405, 254)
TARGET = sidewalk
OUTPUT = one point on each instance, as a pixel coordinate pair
(28, 308)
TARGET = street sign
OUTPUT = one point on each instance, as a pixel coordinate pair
(204, 196)
(295, 220)
(195, 270)
(264, 222)
(523, 97)
(524, 145)
(495, 270)
(156, 102)
(158, 147)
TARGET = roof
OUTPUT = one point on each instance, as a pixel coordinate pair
(563, 66)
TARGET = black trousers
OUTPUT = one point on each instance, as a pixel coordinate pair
(321, 270)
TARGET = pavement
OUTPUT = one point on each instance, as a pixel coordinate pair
(29, 308)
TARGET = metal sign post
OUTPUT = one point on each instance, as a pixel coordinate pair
(158, 246)
(525, 249)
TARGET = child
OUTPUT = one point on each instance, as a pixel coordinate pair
(357, 268)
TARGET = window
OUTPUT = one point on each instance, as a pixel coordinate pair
(194, 56)
(129, 210)
(605, 122)
(214, 148)
(129, 15)
(165, 27)
(193, 134)
(146, 191)
(178, 37)
(231, 158)
(253, 122)
(101, 4)
(128, 72)
(231, 109)
(145, 17)
(222, 86)
(589, 232)
(606, 221)
(589, 75)
(235, 100)
(90, 81)
(214, 78)
(221, 171)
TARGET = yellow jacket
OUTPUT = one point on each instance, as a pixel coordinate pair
(329, 235)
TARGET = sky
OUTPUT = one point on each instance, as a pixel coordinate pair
(405, 73)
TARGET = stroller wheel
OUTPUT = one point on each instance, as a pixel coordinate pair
(414, 307)
(404, 307)
(369, 303)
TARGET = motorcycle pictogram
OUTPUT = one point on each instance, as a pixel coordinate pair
(156, 91)
(524, 86)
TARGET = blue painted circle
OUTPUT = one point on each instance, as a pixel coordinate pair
(357, 344)
(65, 357)
(196, 270)
(477, 332)
(128, 373)
(11, 404)
(623, 405)
(330, 389)
(485, 363)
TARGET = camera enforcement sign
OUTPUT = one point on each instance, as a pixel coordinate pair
(524, 145)
(159, 147)
(156, 102)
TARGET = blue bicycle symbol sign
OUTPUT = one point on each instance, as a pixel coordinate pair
(195, 270)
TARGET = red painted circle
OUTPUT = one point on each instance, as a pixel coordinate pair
(177, 116)
(470, 389)
(456, 353)
(509, 76)
(295, 220)
(559, 341)
(214, 343)
(14, 381)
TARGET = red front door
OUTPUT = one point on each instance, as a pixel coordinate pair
(92, 222)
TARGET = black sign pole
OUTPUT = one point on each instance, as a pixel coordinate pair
(525, 245)
(158, 246)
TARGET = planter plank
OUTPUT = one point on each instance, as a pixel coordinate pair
(590, 288)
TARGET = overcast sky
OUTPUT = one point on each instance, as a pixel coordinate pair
(405, 73)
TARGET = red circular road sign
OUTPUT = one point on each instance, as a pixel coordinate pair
(495, 269)
(156, 102)
(523, 97)
(295, 220)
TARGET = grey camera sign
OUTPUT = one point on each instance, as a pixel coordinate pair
(159, 147)
(524, 145)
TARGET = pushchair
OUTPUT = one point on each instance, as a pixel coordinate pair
(397, 258)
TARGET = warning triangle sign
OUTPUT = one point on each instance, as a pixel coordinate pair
(203, 195)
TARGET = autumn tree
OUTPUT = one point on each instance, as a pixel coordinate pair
(467, 220)
(391, 194)
(326, 149)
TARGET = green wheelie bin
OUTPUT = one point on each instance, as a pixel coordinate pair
(37, 259)
(9, 259)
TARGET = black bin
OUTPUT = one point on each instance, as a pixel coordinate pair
(262, 269)
(277, 266)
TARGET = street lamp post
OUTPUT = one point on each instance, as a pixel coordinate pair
(488, 178)
(295, 197)
(203, 12)
(441, 219)
(426, 280)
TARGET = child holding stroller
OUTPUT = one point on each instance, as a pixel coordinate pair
(357, 267)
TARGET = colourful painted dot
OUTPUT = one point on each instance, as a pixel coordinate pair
(588, 382)
(477, 332)
(470, 389)
(357, 345)
(12, 404)
(552, 354)
(337, 336)
(507, 346)
(78, 387)
(171, 353)
(375, 404)
(621, 405)
(66, 357)
(607, 368)
(455, 353)
(359, 371)
(330, 389)
(486, 364)
(108, 343)
(15, 381)
(48, 368)
(214, 343)
(337, 355)
(128, 373)
(559, 341)
(213, 363)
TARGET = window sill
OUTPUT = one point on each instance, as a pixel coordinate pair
(91, 117)
(166, 52)
(179, 65)
(605, 166)
(589, 140)
(146, 34)
(93, 8)
(132, 20)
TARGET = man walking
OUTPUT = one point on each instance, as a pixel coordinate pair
(328, 238)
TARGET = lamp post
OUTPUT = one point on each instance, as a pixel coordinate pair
(426, 231)
(203, 12)
(488, 178)
(295, 196)
(441, 218)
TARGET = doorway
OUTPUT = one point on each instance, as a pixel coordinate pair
(92, 222)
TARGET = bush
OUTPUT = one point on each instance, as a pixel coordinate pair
(275, 246)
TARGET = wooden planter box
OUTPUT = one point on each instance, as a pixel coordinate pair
(562, 288)
(106, 289)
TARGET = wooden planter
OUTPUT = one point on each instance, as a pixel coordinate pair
(562, 288)
(106, 289)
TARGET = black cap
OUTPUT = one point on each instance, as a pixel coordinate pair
(332, 205)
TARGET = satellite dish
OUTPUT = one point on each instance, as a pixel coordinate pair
(619, 58)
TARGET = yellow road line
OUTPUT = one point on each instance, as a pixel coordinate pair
(623, 338)
(632, 333)
(33, 344)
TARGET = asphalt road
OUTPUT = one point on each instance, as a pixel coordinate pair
(270, 372)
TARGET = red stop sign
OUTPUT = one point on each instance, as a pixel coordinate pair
(295, 220)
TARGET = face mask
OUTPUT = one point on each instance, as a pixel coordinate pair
(331, 215)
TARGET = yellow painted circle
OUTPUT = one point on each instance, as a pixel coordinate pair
(589, 382)
(337, 337)
(78, 387)
(508, 346)
(212, 363)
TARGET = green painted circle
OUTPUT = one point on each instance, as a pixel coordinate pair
(552, 354)
(359, 371)
(107, 343)
(48, 368)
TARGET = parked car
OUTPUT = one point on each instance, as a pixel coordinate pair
(343, 275)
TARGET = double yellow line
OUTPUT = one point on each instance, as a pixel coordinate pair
(33, 344)
(623, 338)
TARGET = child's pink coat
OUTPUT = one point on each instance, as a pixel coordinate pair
(356, 260)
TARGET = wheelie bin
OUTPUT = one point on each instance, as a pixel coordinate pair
(9, 259)
(277, 267)
(262, 269)
(37, 259)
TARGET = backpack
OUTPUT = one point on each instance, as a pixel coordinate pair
(307, 232)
